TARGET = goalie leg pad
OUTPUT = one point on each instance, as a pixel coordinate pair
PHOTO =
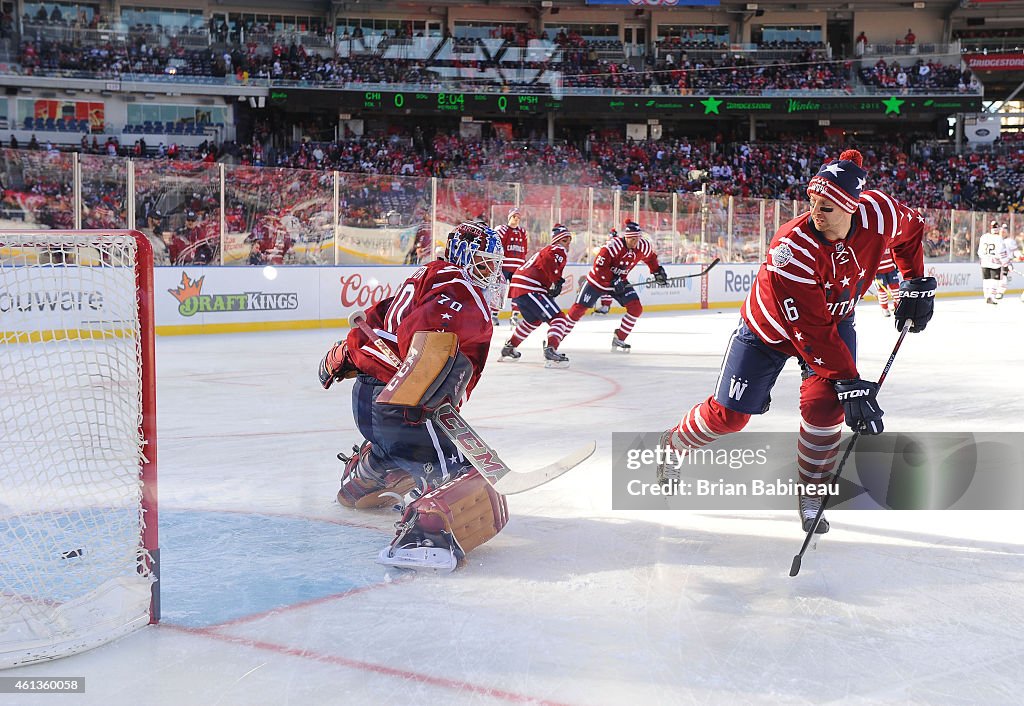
(458, 516)
(365, 483)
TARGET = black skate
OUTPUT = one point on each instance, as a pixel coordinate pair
(618, 344)
(554, 359)
(509, 352)
(808, 506)
(601, 310)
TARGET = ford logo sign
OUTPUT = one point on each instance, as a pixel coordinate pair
(982, 132)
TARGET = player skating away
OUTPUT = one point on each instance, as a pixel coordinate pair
(415, 351)
(516, 245)
(887, 282)
(534, 288)
(802, 305)
(1012, 253)
(608, 275)
(993, 256)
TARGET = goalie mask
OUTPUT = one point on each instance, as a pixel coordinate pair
(477, 250)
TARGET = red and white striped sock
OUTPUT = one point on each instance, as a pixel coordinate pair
(626, 326)
(816, 451)
(558, 327)
(523, 329)
(559, 331)
(704, 423)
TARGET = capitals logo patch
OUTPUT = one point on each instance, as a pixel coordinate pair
(781, 255)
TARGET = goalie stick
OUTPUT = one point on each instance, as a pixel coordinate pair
(482, 457)
(794, 569)
(359, 319)
(650, 282)
(495, 471)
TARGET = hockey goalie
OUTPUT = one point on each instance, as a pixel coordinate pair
(410, 354)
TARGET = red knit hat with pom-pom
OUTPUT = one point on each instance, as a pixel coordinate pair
(841, 180)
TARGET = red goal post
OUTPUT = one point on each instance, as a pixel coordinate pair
(79, 550)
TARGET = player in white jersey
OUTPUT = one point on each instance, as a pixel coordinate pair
(993, 256)
(1012, 253)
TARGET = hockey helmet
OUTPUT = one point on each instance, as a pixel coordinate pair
(476, 248)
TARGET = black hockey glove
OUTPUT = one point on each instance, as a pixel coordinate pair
(660, 276)
(621, 286)
(555, 289)
(917, 299)
(860, 406)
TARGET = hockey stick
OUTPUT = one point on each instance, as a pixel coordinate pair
(495, 471)
(359, 319)
(650, 282)
(795, 568)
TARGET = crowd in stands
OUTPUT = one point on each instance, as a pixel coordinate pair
(771, 170)
(992, 182)
(741, 74)
(920, 77)
(576, 64)
(384, 182)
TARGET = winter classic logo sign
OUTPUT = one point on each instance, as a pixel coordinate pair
(192, 301)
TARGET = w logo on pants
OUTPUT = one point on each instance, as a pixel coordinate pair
(737, 386)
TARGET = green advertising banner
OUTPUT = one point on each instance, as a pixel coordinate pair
(497, 104)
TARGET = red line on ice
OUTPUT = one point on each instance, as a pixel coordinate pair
(406, 675)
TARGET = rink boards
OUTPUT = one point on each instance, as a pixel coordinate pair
(193, 300)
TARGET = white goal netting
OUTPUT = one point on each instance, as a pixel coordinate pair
(74, 568)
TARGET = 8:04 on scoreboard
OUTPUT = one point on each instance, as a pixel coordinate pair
(460, 103)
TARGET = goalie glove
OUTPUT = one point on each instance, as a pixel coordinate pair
(555, 289)
(917, 301)
(660, 276)
(336, 365)
(860, 406)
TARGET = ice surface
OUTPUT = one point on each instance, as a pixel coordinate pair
(271, 595)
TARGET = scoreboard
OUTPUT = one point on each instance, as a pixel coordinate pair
(459, 103)
(369, 102)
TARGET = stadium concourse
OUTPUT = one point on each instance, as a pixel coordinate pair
(271, 594)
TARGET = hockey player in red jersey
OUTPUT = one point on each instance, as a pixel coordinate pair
(608, 275)
(801, 305)
(516, 246)
(887, 282)
(534, 288)
(514, 243)
(412, 353)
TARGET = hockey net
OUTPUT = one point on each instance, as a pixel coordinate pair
(78, 540)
